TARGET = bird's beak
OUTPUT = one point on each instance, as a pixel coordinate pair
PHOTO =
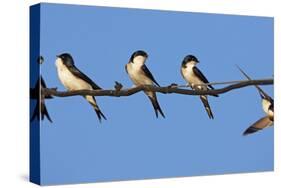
(57, 56)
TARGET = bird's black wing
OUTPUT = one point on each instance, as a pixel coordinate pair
(148, 74)
(201, 76)
(262, 93)
(258, 125)
(76, 72)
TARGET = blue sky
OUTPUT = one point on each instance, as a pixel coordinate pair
(132, 143)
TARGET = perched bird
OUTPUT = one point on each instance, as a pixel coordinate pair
(195, 78)
(140, 75)
(268, 108)
(40, 108)
(73, 79)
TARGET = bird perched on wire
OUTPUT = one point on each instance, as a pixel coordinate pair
(196, 80)
(140, 75)
(40, 108)
(73, 79)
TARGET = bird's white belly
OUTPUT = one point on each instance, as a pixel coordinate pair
(265, 105)
(191, 78)
(137, 76)
(270, 113)
(70, 81)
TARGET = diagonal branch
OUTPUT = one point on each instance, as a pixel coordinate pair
(165, 90)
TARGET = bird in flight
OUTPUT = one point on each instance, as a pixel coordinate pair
(268, 108)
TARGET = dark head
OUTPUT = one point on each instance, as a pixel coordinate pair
(40, 59)
(140, 53)
(66, 58)
(189, 59)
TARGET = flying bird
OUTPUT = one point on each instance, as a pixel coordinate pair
(196, 80)
(268, 108)
(140, 75)
(73, 79)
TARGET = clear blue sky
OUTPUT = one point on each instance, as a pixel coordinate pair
(132, 143)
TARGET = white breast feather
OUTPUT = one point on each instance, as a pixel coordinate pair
(137, 75)
(191, 78)
(70, 81)
(265, 106)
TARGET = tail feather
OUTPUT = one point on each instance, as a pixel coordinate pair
(93, 102)
(100, 114)
(205, 102)
(44, 112)
(156, 106)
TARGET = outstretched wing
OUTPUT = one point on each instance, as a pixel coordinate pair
(201, 76)
(259, 125)
(76, 72)
(148, 74)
